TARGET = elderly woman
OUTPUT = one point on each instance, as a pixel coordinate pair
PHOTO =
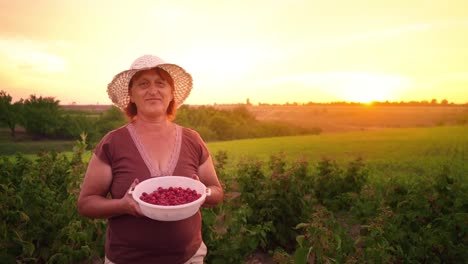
(150, 145)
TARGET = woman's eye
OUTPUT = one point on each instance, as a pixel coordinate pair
(143, 84)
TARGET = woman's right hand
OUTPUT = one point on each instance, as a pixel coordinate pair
(130, 206)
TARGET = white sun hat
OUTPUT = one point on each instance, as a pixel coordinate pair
(118, 87)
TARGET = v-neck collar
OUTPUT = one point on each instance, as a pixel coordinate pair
(169, 169)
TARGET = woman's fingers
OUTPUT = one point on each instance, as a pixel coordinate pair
(132, 186)
(195, 177)
(133, 207)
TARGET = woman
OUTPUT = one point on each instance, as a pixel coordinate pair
(150, 145)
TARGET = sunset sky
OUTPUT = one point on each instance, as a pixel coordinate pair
(269, 51)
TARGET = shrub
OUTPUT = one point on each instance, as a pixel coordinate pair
(38, 206)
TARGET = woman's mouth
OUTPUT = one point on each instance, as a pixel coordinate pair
(153, 99)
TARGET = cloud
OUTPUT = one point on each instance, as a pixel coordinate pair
(453, 76)
(30, 57)
(330, 78)
(387, 33)
(455, 82)
(377, 35)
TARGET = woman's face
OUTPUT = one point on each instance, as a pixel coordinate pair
(151, 93)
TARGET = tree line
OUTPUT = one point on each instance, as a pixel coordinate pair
(433, 102)
(43, 118)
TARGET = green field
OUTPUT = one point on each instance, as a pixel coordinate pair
(33, 147)
(388, 152)
(24, 143)
(407, 153)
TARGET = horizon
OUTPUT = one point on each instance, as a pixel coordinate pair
(247, 101)
(373, 103)
(270, 52)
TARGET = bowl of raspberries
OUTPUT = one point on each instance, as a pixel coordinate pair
(170, 198)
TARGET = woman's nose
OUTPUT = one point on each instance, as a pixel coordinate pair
(153, 88)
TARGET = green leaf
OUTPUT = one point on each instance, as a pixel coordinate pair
(302, 255)
(300, 240)
(28, 248)
(338, 242)
(301, 225)
(24, 216)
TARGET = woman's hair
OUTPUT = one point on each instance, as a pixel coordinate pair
(131, 110)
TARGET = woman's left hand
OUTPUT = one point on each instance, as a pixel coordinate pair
(195, 177)
(129, 205)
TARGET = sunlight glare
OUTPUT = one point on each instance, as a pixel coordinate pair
(40, 62)
(222, 64)
(366, 87)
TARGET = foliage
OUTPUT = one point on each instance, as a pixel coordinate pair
(71, 125)
(105, 122)
(38, 206)
(421, 222)
(43, 118)
(9, 112)
(265, 203)
(336, 188)
(214, 124)
(40, 116)
(226, 228)
(320, 212)
(324, 239)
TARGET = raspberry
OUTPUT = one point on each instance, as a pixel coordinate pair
(170, 196)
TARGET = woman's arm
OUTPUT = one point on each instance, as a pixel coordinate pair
(207, 175)
(93, 201)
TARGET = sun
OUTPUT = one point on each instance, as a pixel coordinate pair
(367, 88)
(365, 92)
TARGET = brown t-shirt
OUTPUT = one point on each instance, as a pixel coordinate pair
(133, 239)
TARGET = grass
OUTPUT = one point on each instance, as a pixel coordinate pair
(406, 152)
(23, 143)
(388, 152)
(375, 145)
(34, 147)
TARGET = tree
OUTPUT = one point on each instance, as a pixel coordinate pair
(222, 126)
(9, 113)
(41, 116)
(109, 120)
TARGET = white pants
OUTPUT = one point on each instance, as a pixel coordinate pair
(196, 259)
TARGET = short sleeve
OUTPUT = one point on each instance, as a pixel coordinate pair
(204, 153)
(197, 146)
(102, 150)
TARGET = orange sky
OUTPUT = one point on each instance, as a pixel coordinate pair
(269, 51)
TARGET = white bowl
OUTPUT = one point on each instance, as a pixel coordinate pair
(169, 212)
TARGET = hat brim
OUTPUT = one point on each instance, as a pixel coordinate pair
(117, 89)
